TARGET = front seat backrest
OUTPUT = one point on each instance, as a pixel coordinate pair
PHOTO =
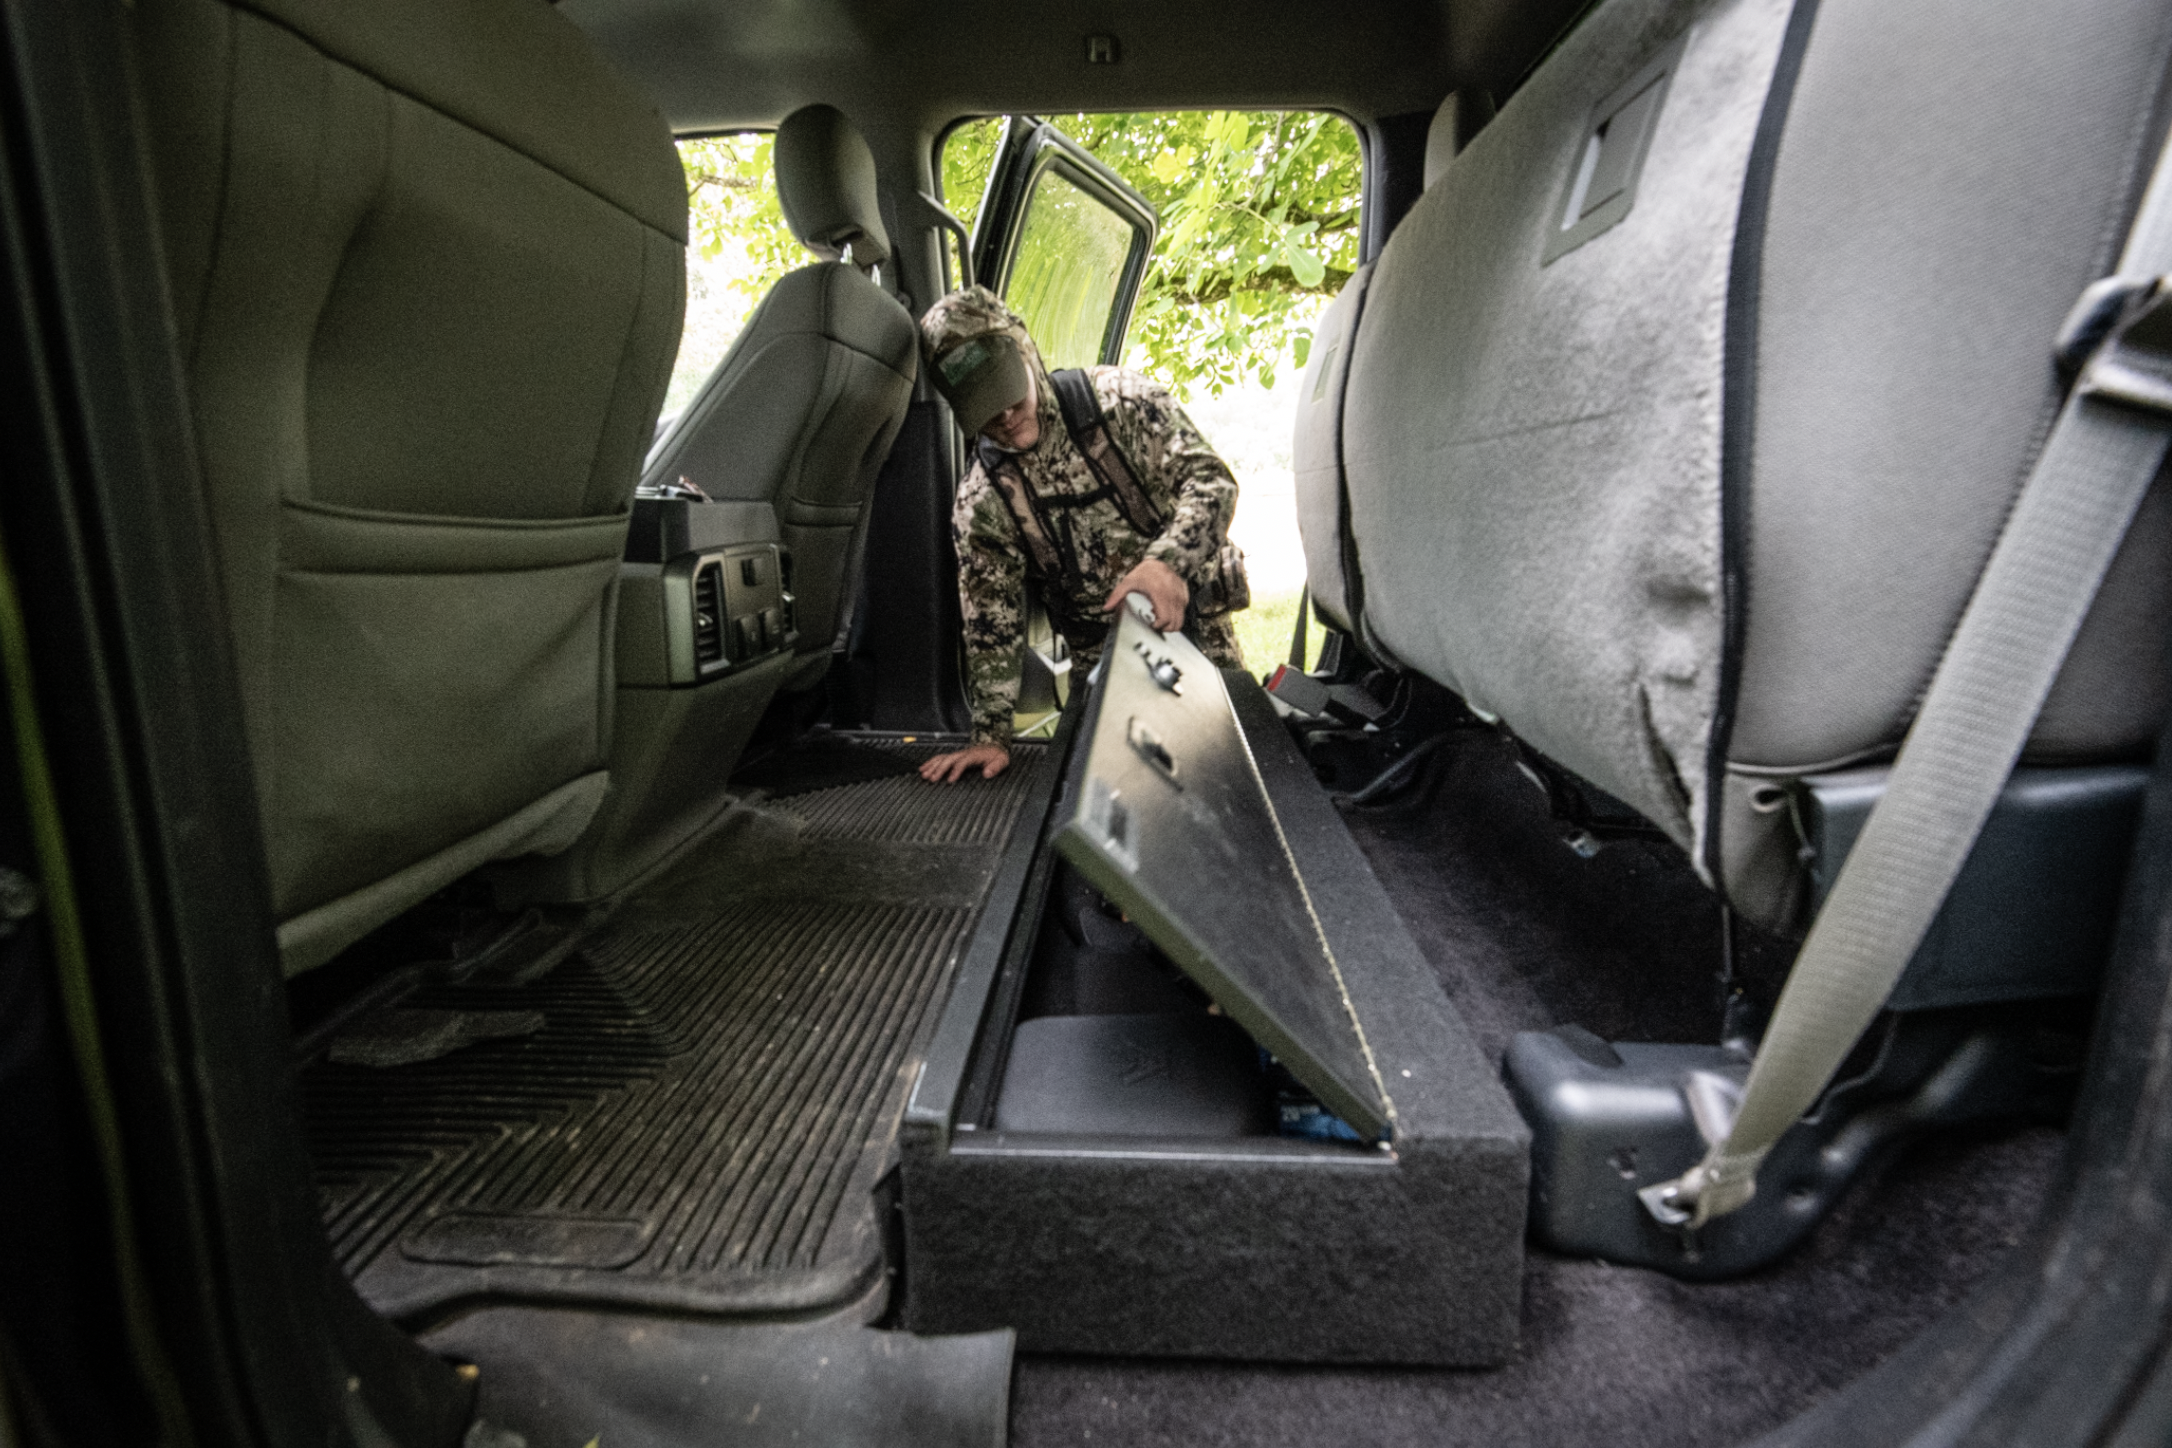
(427, 261)
(803, 408)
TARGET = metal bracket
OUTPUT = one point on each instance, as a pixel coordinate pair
(2118, 339)
(939, 215)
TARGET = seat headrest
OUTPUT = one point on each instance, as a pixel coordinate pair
(1459, 118)
(826, 186)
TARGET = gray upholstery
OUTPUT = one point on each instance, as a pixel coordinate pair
(1331, 576)
(1534, 451)
(1455, 125)
(672, 756)
(427, 262)
(802, 411)
(794, 424)
(1865, 539)
(1531, 449)
(826, 186)
(674, 744)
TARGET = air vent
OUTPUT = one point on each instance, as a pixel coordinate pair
(709, 617)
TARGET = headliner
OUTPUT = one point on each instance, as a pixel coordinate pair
(916, 65)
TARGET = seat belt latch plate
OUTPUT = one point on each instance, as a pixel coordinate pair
(2118, 340)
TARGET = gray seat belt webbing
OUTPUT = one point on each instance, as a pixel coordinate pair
(2104, 451)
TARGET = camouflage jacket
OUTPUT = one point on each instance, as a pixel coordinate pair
(1188, 484)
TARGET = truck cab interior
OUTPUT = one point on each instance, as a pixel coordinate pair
(1688, 963)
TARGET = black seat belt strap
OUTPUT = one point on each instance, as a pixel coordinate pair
(1089, 429)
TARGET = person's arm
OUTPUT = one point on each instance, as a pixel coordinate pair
(1166, 448)
(992, 601)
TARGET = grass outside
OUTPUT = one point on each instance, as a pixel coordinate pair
(1264, 630)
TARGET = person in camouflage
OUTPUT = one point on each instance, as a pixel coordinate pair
(985, 364)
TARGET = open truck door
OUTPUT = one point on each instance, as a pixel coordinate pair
(1065, 241)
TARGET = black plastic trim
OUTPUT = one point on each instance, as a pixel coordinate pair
(905, 655)
(1394, 170)
(2066, 1344)
(992, 963)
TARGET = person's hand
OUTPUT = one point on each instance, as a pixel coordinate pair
(1164, 588)
(990, 759)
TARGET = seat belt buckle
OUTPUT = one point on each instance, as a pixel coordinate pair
(2117, 343)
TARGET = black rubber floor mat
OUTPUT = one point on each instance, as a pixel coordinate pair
(825, 760)
(560, 1379)
(911, 811)
(702, 1120)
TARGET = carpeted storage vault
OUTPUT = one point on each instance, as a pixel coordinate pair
(1297, 1154)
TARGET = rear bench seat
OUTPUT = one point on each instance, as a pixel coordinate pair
(1679, 446)
(1673, 428)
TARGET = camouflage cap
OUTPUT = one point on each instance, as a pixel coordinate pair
(979, 356)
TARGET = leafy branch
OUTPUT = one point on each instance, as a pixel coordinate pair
(1259, 217)
(1278, 279)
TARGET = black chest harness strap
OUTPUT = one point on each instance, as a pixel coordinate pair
(1049, 551)
(1088, 427)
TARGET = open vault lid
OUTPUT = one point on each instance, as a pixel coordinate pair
(1169, 819)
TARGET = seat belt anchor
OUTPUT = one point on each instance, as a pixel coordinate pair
(2117, 343)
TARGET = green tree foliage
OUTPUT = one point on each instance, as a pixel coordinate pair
(732, 207)
(1259, 226)
(1259, 214)
(738, 247)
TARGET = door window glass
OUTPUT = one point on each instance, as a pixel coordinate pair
(1069, 266)
(968, 154)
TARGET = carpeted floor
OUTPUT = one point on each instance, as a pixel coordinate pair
(1527, 934)
(1612, 1356)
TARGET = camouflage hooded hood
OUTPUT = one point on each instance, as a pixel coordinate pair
(978, 312)
(1189, 486)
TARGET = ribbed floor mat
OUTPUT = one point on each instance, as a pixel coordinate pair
(909, 811)
(702, 1119)
(904, 810)
(821, 760)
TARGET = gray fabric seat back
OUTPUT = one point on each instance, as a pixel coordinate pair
(804, 407)
(427, 265)
(1334, 577)
(1686, 405)
(1894, 417)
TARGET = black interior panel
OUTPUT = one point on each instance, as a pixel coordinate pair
(1169, 819)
